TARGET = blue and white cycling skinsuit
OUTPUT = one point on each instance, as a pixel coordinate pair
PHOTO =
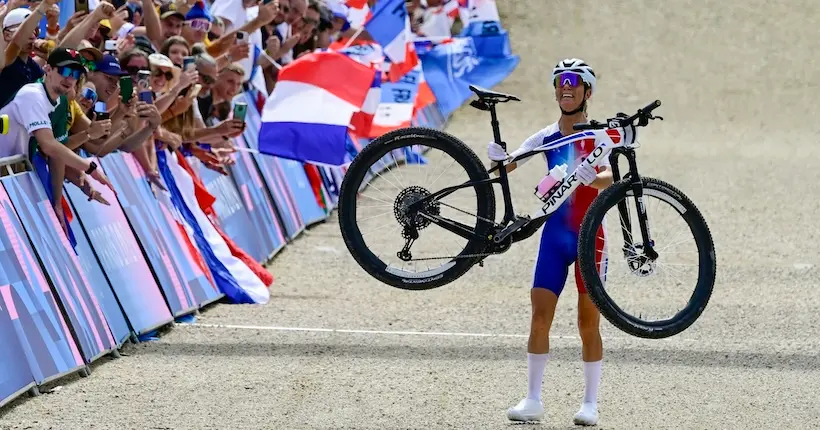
(559, 238)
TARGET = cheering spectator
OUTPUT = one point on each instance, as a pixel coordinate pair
(20, 30)
(160, 26)
(176, 48)
(35, 111)
(197, 24)
(207, 68)
(306, 29)
(227, 86)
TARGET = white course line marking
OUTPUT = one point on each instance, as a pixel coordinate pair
(393, 332)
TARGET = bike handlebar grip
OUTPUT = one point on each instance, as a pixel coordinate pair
(580, 126)
(651, 106)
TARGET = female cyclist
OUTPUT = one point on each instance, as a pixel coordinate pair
(574, 83)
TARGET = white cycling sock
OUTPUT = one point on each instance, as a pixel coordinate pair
(592, 379)
(535, 374)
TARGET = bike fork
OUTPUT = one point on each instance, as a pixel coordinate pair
(637, 189)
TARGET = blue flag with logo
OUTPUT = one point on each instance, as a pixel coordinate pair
(451, 68)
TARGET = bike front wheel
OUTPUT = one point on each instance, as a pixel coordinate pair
(407, 245)
(606, 248)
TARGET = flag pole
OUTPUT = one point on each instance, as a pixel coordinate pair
(275, 64)
(352, 38)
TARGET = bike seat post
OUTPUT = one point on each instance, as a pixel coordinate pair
(502, 170)
(494, 123)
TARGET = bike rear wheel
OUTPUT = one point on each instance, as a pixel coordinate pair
(360, 197)
(594, 257)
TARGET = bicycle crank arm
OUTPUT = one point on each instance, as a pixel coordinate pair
(510, 229)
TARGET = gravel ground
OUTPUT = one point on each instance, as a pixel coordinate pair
(738, 98)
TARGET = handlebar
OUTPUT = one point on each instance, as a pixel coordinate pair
(643, 115)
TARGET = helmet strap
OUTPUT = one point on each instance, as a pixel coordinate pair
(581, 107)
(574, 111)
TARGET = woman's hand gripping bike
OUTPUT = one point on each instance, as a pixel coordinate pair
(416, 208)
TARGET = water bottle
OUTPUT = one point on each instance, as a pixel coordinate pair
(553, 178)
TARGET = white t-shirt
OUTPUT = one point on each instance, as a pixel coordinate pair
(28, 112)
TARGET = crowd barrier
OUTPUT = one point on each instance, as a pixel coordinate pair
(143, 262)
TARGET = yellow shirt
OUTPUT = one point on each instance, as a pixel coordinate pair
(74, 110)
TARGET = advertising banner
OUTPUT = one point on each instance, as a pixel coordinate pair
(38, 325)
(77, 295)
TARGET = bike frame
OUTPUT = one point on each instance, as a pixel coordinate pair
(608, 144)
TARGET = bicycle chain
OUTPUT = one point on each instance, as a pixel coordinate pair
(453, 257)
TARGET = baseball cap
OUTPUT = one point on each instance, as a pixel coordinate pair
(170, 9)
(91, 53)
(16, 17)
(61, 57)
(110, 66)
(144, 44)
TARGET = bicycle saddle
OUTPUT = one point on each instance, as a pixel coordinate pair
(492, 96)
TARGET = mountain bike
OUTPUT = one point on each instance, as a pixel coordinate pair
(416, 208)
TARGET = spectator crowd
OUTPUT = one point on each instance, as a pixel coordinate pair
(141, 76)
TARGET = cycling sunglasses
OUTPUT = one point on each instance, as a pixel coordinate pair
(69, 72)
(89, 94)
(199, 24)
(567, 78)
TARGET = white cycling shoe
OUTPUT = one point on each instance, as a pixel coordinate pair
(526, 410)
(587, 415)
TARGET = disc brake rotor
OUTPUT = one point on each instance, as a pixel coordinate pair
(639, 264)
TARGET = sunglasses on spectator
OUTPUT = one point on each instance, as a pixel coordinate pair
(89, 94)
(160, 72)
(199, 24)
(69, 72)
(207, 80)
(133, 70)
(567, 78)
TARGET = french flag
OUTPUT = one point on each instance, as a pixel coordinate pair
(362, 120)
(390, 27)
(396, 105)
(397, 70)
(424, 96)
(307, 115)
(438, 21)
(358, 12)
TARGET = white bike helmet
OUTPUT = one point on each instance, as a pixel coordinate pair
(578, 67)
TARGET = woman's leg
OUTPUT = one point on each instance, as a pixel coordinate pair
(592, 350)
(551, 272)
(543, 303)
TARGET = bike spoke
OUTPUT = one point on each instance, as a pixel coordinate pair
(642, 288)
(453, 216)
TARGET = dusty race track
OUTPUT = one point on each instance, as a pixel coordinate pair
(739, 86)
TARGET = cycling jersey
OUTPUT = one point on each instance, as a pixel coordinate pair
(559, 238)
